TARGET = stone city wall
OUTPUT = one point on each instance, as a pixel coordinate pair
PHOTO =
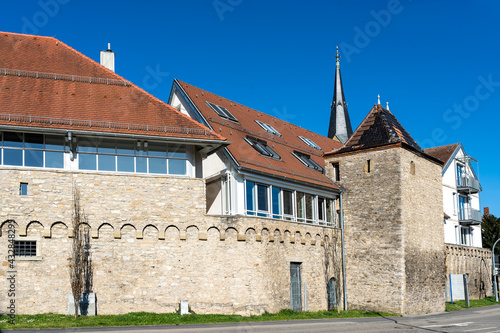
(153, 245)
(474, 261)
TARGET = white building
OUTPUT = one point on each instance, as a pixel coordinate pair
(462, 215)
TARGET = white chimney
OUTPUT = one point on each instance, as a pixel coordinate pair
(108, 58)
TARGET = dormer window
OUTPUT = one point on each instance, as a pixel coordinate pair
(262, 147)
(310, 143)
(222, 112)
(307, 160)
(268, 128)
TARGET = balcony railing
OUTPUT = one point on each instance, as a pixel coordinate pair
(470, 216)
(468, 184)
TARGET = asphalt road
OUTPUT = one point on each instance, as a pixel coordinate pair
(481, 320)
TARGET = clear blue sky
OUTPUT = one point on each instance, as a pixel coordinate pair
(436, 62)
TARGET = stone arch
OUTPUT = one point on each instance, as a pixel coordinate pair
(307, 238)
(192, 232)
(213, 234)
(298, 237)
(150, 231)
(277, 235)
(53, 230)
(326, 240)
(128, 231)
(231, 234)
(34, 227)
(286, 237)
(104, 233)
(318, 239)
(250, 235)
(172, 233)
(264, 234)
(7, 222)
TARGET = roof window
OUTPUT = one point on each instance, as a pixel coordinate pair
(307, 160)
(310, 143)
(262, 147)
(268, 128)
(222, 111)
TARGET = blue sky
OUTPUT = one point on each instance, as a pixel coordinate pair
(436, 62)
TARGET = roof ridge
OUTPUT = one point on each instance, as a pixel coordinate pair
(278, 119)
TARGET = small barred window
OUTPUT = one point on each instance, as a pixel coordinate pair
(25, 248)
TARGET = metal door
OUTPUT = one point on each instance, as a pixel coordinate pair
(332, 295)
(295, 287)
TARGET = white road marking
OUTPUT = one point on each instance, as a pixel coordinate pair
(459, 324)
(480, 329)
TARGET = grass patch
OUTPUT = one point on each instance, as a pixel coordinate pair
(474, 303)
(145, 318)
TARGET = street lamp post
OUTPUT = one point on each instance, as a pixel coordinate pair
(493, 268)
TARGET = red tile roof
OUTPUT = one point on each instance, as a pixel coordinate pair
(45, 83)
(442, 153)
(246, 156)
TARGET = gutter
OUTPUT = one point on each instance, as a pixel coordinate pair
(344, 278)
(113, 134)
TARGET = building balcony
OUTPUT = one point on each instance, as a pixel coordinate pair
(468, 184)
(470, 216)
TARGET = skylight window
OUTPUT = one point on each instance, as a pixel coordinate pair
(307, 160)
(310, 143)
(262, 147)
(268, 128)
(222, 111)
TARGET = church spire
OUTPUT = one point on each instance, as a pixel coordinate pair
(340, 125)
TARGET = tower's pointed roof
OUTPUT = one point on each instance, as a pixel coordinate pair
(379, 128)
(340, 124)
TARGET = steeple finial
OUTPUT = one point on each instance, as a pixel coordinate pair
(337, 57)
(378, 99)
(387, 103)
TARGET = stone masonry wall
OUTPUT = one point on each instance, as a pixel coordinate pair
(373, 229)
(473, 261)
(153, 245)
(422, 213)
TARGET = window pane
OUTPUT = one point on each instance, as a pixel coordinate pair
(12, 157)
(276, 203)
(157, 165)
(141, 152)
(12, 139)
(54, 159)
(330, 208)
(141, 164)
(309, 207)
(87, 161)
(177, 167)
(86, 146)
(107, 163)
(300, 206)
(287, 202)
(262, 197)
(321, 215)
(24, 189)
(250, 198)
(33, 158)
(125, 147)
(158, 150)
(33, 141)
(125, 163)
(177, 151)
(106, 147)
(54, 142)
